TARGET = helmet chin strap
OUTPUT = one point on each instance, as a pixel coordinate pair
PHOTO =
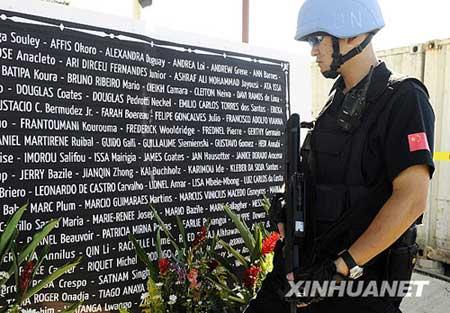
(339, 59)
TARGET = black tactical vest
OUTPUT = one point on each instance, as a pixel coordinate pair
(345, 201)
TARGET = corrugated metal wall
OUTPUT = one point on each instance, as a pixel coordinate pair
(430, 63)
(437, 78)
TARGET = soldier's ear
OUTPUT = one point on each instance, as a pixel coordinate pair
(352, 41)
(355, 41)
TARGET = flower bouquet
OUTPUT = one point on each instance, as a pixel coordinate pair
(195, 279)
(261, 244)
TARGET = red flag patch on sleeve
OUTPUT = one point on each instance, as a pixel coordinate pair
(417, 142)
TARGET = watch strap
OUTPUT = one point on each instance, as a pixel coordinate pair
(348, 259)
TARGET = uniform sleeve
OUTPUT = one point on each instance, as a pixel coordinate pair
(410, 134)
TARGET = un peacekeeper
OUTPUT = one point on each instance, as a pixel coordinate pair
(368, 163)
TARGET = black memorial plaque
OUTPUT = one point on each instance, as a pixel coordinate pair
(96, 125)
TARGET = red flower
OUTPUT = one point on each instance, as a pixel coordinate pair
(251, 276)
(213, 265)
(192, 278)
(200, 237)
(269, 243)
(25, 278)
(163, 265)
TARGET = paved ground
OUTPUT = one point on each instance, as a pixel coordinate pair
(435, 297)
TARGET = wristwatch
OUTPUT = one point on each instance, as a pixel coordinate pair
(355, 271)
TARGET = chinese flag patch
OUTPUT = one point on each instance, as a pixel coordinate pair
(418, 141)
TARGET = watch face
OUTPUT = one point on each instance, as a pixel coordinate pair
(356, 272)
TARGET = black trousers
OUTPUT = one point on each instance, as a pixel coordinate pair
(270, 297)
(265, 303)
(269, 300)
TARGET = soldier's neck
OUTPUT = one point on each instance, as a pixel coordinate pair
(357, 68)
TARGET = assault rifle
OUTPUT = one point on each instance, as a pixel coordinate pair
(295, 202)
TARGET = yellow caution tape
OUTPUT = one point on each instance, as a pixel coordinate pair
(441, 156)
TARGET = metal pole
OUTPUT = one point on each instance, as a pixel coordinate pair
(137, 9)
(245, 20)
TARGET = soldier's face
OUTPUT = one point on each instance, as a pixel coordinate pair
(323, 52)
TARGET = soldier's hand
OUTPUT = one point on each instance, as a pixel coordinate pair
(320, 272)
(281, 230)
(290, 277)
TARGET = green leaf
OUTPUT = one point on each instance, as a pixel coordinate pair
(264, 230)
(219, 285)
(167, 232)
(214, 242)
(41, 258)
(211, 250)
(182, 232)
(143, 257)
(242, 227)
(236, 254)
(37, 238)
(73, 307)
(10, 228)
(226, 265)
(158, 244)
(256, 253)
(208, 223)
(14, 309)
(266, 204)
(237, 299)
(15, 267)
(154, 293)
(55, 275)
(7, 250)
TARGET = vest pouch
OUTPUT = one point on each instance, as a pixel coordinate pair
(330, 203)
(329, 142)
(342, 213)
(330, 148)
(358, 197)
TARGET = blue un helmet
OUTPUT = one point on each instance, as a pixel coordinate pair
(339, 19)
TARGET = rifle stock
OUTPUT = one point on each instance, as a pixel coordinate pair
(295, 205)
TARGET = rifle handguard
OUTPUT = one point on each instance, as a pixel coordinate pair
(277, 212)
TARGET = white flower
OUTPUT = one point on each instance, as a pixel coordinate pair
(159, 285)
(29, 311)
(144, 296)
(4, 275)
(172, 299)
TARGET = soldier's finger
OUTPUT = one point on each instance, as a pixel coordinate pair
(302, 305)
